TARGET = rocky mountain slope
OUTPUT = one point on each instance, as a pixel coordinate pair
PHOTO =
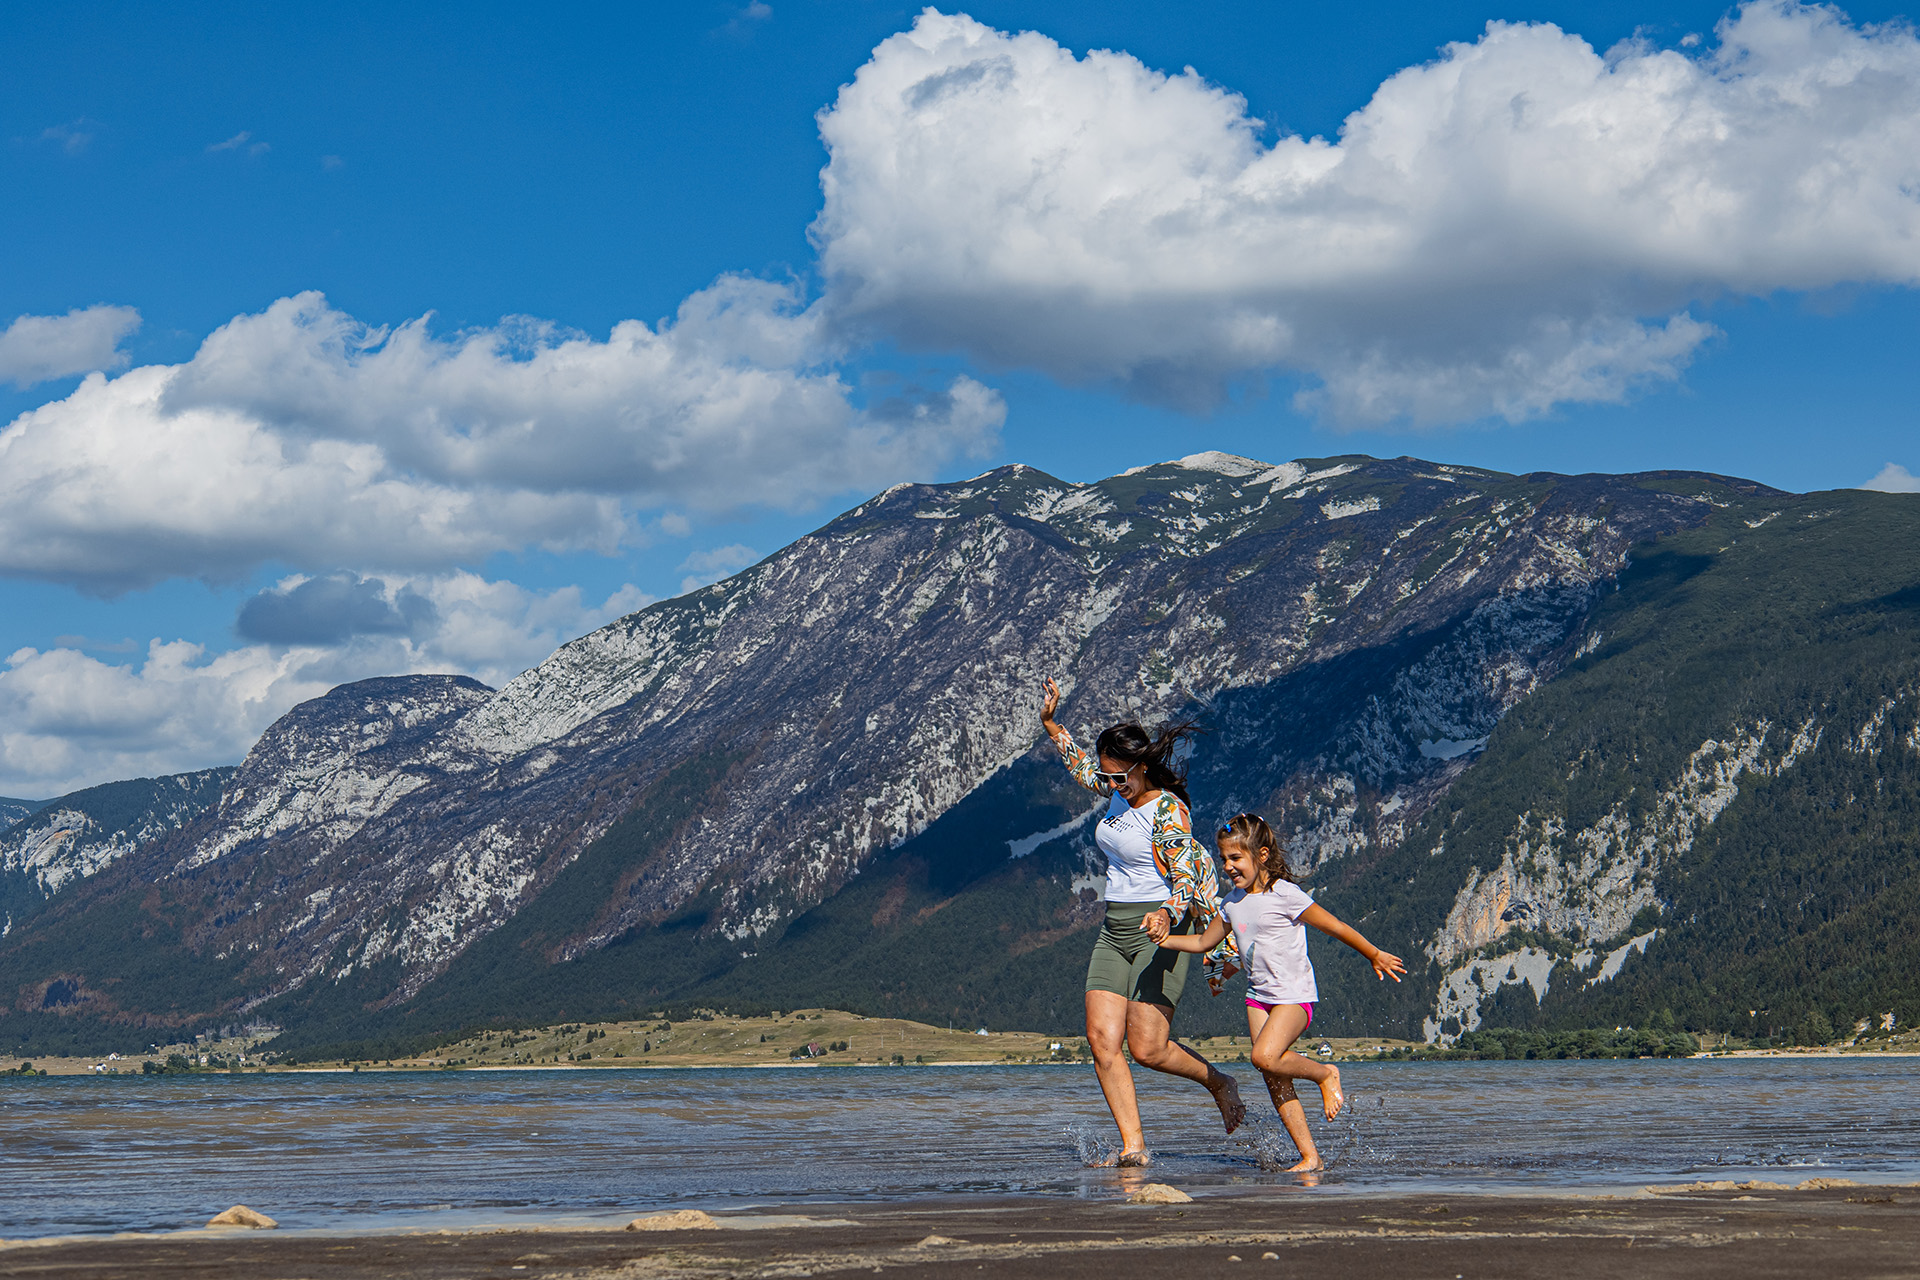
(816, 782)
(64, 840)
(13, 809)
(1710, 817)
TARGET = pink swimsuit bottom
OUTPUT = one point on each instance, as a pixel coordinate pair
(1267, 1008)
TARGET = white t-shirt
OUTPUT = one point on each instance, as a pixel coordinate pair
(1273, 942)
(1125, 835)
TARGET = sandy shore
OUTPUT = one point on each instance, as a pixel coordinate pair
(1748, 1233)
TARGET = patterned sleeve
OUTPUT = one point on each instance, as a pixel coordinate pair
(1196, 888)
(1082, 766)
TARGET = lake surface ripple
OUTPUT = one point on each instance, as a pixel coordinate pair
(419, 1149)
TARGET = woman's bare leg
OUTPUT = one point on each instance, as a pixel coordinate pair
(1106, 1032)
(1273, 1055)
(1287, 1103)
(1149, 1028)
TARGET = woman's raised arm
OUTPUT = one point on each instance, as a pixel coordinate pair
(1081, 765)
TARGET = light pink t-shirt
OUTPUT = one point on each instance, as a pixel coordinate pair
(1273, 942)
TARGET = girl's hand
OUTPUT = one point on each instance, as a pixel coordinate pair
(1049, 706)
(1387, 966)
(1217, 977)
(1157, 925)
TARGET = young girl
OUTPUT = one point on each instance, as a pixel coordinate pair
(1267, 912)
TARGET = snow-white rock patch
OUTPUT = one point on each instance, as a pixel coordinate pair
(1337, 510)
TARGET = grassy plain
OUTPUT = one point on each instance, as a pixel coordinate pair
(707, 1040)
(719, 1040)
(781, 1040)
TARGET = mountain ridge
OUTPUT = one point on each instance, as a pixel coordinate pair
(835, 749)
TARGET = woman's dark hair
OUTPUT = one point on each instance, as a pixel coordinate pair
(1251, 832)
(1131, 744)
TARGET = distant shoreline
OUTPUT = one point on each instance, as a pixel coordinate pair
(73, 1067)
(797, 1038)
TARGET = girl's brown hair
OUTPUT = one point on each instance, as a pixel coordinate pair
(1251, 832)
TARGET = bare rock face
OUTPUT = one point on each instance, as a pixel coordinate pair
(322, 772)
(1352, 627)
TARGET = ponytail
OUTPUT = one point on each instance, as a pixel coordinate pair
(1131, 744)
(1251, 832)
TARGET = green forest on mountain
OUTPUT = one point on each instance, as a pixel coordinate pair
(1789, 915)
(1794, 905)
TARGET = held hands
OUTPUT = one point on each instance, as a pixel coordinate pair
(1387, 966)
(1218, 974)
(1157, 925)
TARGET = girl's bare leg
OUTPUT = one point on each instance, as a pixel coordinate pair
(1287, 1103)
(1149, 1028)
(1106, 1032)
(1273, 1054)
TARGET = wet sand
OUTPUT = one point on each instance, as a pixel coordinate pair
(1861, 1231)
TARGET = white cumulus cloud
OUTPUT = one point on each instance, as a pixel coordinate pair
(42, 348)
(69, 720)
(302, 437)
(1894, 478)
(1522, 223)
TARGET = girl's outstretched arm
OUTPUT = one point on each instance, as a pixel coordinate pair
(1384, 965)
(1198, 943)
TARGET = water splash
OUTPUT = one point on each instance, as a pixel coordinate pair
(1354, 1138)
(1090, 1148)
(1266, 1144)
(1362, 1126)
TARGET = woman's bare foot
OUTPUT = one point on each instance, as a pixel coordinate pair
(1226, 1095)
(1132, 1159)
(1330, 1096)
(1308, 1164)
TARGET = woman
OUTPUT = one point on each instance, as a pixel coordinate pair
(1159, 880)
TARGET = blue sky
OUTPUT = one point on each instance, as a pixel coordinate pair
(602, 165)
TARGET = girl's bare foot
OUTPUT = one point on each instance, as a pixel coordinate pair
(1226, 1095)
(1308, 1164)
(1132, 1159)
(1330, 1096)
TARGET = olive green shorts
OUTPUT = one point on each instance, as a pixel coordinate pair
(1128, 963)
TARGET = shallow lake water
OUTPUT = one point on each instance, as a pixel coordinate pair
(420, 1149)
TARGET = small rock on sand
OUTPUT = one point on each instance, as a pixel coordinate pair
(678, 1220)
(1159, 1193)
(934, 1242)
(241, 1216)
